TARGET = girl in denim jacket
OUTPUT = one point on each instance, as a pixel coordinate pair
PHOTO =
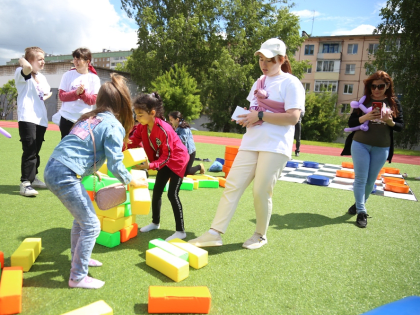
(73, 158)
(182, 129)
(166, 154)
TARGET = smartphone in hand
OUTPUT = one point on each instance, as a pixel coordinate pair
(377, 105)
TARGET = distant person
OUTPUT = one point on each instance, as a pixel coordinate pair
(370, 149)
(166, 154)
(182, 129)
(33, 89)
(73, 158)
(276, 101)
(78, 90)
(298, 130)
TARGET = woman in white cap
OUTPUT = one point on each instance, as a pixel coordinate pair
(276, 100)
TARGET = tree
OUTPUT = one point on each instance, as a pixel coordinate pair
(8, 98)
(179, 92)
(399, 55)
(216, 40)
(321, 121)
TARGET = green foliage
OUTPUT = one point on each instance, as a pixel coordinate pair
(322, 121)
(8, 98)
(179, 92)
(122, 66)
(216, 40)
(399, 55)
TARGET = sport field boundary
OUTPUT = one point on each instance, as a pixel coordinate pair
(397, 158)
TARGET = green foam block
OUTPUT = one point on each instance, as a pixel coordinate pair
(168, 247)
(108, 239)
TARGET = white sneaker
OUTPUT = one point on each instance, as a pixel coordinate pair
(38, 183)
(27, 190)
(207, 240)
(256, 241)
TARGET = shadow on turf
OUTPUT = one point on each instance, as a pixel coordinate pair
(141, 308)
(298, 221)
(9, 189)
(53, 265)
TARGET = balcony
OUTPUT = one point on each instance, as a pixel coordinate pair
(330, 76)
(330, 56)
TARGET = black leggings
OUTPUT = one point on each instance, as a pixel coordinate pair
(191, 170)
(162, 177)
(32, 137)
(65, 126)
(298, 128)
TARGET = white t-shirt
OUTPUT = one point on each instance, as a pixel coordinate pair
(30, 100)
(284, 88)
(71, 81)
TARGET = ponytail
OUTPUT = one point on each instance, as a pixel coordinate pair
(286, 67)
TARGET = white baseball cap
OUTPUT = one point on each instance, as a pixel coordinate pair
(272, 47)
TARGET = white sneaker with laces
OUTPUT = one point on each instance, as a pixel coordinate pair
(207, 240)
(27, 190)
(256, 241)
(38, 183)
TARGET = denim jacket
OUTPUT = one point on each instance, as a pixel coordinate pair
(76, 149)
(186, 137)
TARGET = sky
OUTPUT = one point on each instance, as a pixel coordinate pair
(59, 27)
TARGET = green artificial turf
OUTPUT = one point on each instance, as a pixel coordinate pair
(316, 260)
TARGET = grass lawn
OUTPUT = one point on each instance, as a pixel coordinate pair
(316, 260)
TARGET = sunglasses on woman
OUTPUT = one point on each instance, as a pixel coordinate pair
(380, 87)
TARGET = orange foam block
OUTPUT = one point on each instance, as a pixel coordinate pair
(391, 170)
(226, 169)
(232, 149)
(192, 300)
(228, 163)
(229, 156)
(344, 173)
(388, 180)
(398, 188)
(222, 182)
(128, 232)
(1, 260)
(11, 290)
(347, 164)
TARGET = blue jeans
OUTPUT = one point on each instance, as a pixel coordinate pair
(63, 183)
(368, 161)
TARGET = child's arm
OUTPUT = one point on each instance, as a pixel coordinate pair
(113, 140)
(26, 66)
(89, 99)
(135, 139)
(68, 96)
(166, 151)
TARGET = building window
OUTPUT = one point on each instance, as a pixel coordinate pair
(112, 64)
(325, 66)
(330, 48)
(352, 49)
(309, 49)
(107, 65)
(345, 108)
(348, 88)
(373, 48)
(107, 59)
(307, 87)
(330, 86)
(350, 69)
(308, 69)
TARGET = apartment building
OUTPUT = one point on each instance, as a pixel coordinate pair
(105, 59)
(337, 65)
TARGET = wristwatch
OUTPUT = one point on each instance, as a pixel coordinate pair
(260, 115)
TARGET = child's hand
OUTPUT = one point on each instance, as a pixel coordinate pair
(139, 182)
(80, 89)
(142, 166)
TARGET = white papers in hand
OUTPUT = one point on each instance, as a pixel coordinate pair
(239, 111)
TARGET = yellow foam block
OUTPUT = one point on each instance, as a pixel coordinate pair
(140, 200)
(26, 254)
(97, 308)
(112, 226)
(152, 172)
(134, 156)
(101, 220)
(197, 257)
(197, 177)
(173, 267)
(196, 184)
(104, 168)
(11, 290)
(113, 213)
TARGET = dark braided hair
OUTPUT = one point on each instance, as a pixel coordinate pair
(149, 102)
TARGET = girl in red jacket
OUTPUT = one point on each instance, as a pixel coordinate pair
(166, 154)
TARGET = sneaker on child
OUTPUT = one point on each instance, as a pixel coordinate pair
(38, 183)
(27, 190)
(87, 283)
(361, 220)
(149, 227)
(207, 240)
(352, 210)
(256, 241)
(177, 234)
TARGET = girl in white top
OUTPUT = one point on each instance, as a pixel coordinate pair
(276, 101)
(78, 90)
(33, 89)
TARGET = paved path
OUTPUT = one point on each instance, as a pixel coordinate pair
(397, 158)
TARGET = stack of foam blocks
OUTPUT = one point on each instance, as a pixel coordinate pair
(12, 277)
(118, 224)
(230, 154)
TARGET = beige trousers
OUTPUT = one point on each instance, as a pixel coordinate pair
(262, 167)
